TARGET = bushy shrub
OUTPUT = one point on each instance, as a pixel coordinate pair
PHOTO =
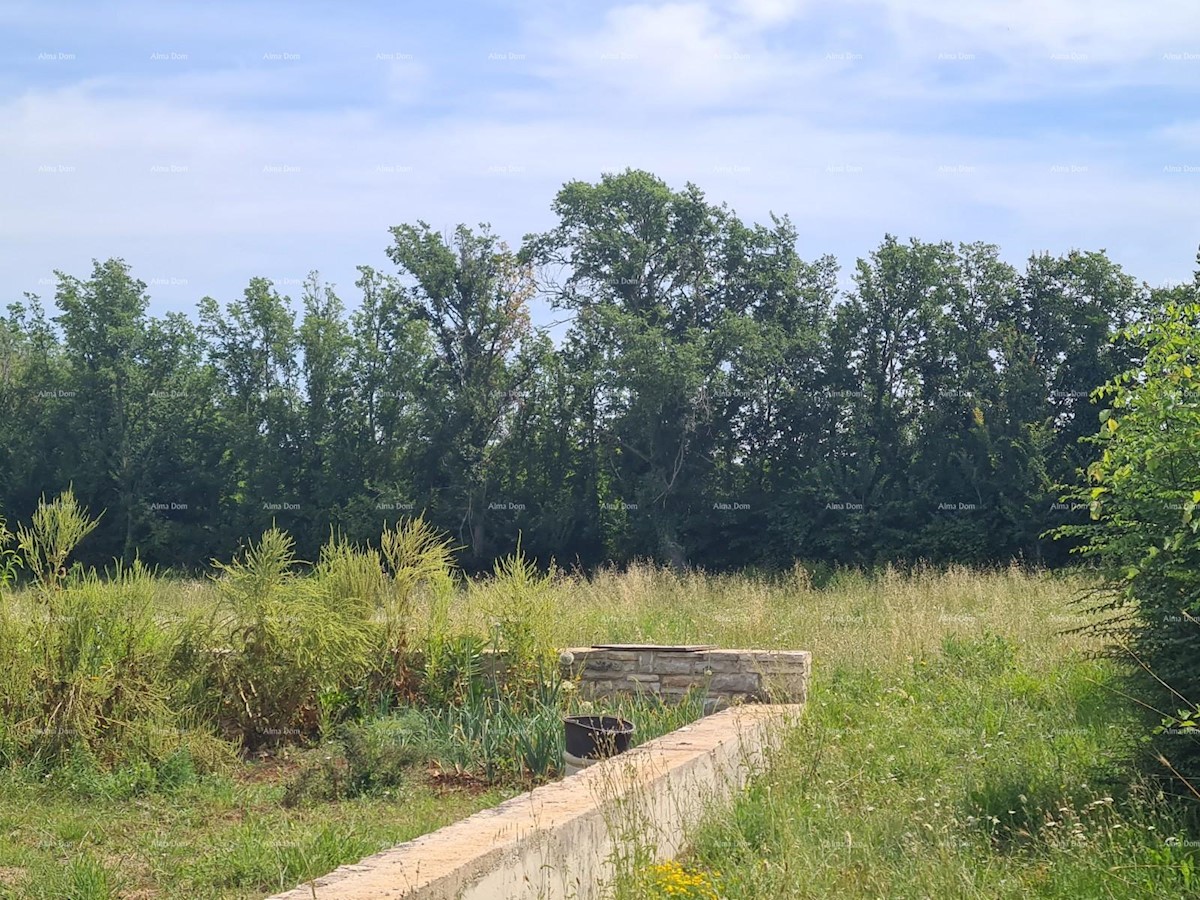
(1143, 493)
(284, 646)
(369, 757)
(86, 676)
(54, 532)
(322, 775)
(381, 753)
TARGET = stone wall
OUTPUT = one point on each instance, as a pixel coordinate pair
(726, 676)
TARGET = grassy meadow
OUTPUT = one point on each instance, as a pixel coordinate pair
(958, 742)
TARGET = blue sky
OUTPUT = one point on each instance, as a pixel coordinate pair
(209, 143)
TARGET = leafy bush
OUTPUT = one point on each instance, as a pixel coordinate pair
(322, 776)
(366, 758)
(1143, 492)
(380, 753)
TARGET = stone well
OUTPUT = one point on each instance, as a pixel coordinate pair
(727, 677)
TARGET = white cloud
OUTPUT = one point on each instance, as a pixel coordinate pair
(769, 12)
(668, 54)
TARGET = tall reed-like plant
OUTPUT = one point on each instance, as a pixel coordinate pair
(519, 601)
(417, 555)
(418, 558)
(9, 560)
(289, 645)
(87, 679)
(54, 532)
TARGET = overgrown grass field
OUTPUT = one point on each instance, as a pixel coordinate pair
(958, 742)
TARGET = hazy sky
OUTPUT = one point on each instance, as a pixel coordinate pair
(210, 143)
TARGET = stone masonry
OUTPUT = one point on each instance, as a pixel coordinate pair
(726, 676)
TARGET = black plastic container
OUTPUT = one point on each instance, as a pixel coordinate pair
(597, 737)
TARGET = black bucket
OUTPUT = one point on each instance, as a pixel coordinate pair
(597, 737)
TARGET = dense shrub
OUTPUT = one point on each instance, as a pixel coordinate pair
(1143, 493)
(87, 676)
(290, 653)
(283, 646)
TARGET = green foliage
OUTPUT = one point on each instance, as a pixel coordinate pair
(519, 603)
(988, 654)
(979, 774)
(417, 556)
(376, 756)
(472, 293)
(716, 399)
(1143, 491)
(258, 858)
(9, 560)
(283, 641)
(82, 877)
(86, 683)
(54, 532)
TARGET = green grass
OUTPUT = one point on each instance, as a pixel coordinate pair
(957, 743)
(219, 838)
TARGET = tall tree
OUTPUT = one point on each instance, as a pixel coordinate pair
(646, 285)
(473, 295)
(253, 345)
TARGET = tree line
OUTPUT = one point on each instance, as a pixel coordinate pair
(716, 399)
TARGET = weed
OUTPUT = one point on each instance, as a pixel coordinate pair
(56, 529)
(9, 560)
(282, 639)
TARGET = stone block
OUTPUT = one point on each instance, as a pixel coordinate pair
(610, 665)
(680, 683)
(674, 664)
(743, 682)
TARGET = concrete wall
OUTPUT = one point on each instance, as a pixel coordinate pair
(726, 676)
(563, 841)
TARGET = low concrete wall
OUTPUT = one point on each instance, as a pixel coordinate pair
(726, 676)
(561, 841)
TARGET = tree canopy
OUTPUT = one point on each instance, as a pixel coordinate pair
(716, 400)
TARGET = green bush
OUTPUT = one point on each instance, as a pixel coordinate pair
(1143, 492)
(368, 757)
(85, 675)
(380, 753)
(55, 531)
(284, 644)
(322, 775)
